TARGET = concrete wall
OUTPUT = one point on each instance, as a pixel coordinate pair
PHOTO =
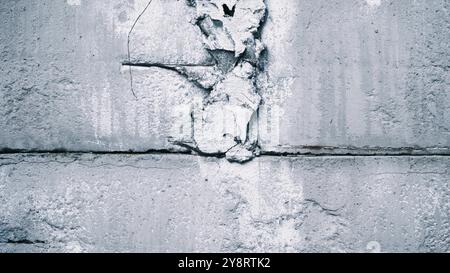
(63, 84)
(357, 74)
(177, 203)
(367, 79)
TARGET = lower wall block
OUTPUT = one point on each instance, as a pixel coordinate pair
(184, 203)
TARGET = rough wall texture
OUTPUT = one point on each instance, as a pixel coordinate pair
(357, 74)
(206, 83)
(187, 203)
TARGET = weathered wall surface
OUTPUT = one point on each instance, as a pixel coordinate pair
(187, 203)
(62, 81)
(356, 77)
(357, 74)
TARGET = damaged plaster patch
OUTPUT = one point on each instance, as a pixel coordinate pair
(230, 30)
(224, 122)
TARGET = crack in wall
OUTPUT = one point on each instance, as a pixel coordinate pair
(190, 151)
(128, 44)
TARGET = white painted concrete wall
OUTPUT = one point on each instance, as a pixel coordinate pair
(185, 203)
(364, 78)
